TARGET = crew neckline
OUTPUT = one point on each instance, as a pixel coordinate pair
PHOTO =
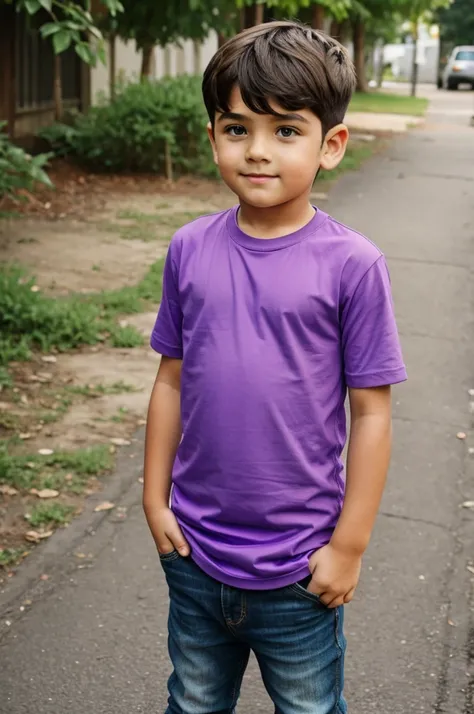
(271, 244)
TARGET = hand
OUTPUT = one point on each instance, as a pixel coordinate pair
(166, 532)
(335, 575)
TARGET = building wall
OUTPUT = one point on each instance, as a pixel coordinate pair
(189, 58)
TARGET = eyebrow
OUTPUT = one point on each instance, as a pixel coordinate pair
(278, 117)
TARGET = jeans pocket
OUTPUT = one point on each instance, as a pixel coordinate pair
(168, 557)
(301, 589)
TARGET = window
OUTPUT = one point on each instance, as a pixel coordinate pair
(465, 55)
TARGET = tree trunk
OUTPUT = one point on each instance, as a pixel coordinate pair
(112, 65)
(147, 61)
(259, 13)
(317, 17)
(359, 55)
(58, 89)
(335, 29)
(414, 66)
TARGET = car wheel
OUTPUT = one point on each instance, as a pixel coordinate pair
(452, 85)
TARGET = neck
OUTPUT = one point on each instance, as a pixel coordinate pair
(275, 221)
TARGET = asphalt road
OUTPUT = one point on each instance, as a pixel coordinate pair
(94, 637)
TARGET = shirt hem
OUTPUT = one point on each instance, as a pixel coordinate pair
(380, 379)
(249, 583)
(166, 350)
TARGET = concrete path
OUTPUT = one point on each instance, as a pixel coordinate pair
(93, 638)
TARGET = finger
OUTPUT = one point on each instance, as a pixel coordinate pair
(178, 541)
(336, 602)
(349, 596)
(164, 545)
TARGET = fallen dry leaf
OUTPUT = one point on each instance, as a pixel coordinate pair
(35, 288)
(468, 504)
(36, 536)
(44, 577)
(451, 623)
(140, 479)
(461, 435)
(45, 452)
(47, 493)
(24, 399)
(141, 422)
(25, 436)
(8, 491)
(81, 555)
(105, 506)
(49, 358)
(470, 568)
(68, 477)
(118, 441)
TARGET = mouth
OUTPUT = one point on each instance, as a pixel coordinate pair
(259, 178)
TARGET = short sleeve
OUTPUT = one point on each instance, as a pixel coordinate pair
(370, 342)
(166, 337)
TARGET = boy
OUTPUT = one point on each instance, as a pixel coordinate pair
(270, 312)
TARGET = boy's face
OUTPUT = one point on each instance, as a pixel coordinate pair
(270, 160)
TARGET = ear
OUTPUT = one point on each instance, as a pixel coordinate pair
(334, 147)
(212, 139)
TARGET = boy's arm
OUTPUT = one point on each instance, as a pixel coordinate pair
(336, 567)
(163, 434)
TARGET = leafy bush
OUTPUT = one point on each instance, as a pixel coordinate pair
(135, 131)
(19, 170)
(60, 137)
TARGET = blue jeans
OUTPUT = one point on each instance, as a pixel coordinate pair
(298, 642)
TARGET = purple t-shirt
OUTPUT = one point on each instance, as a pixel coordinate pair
(271, 334)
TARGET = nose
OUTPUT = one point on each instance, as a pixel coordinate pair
(258, 149)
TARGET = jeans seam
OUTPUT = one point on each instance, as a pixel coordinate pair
(339, 657)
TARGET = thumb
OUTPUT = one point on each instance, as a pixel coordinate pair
(179, 541)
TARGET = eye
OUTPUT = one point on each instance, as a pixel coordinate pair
(235, 130)
(286, 132)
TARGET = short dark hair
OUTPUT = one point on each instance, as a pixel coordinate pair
(287, 62)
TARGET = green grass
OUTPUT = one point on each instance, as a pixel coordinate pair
(126, 337)
(120, 416)
(35, 471)
(9, 556)
(46, 514)
(99, 390)
(5, 378)
(31, 320)
(145, 224)
(384, 103)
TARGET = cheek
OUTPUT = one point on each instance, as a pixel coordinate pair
(229, 153)
(300, 161)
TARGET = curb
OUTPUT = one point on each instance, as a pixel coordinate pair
(49, 557)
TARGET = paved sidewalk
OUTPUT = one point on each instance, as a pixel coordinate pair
(94, 638)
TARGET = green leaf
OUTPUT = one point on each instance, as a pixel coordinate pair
(49, 29)
(85, 53)
(61, 41)
(47, 4)
(32, 6)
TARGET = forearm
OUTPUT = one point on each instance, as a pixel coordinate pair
(163, 434)
(367, 466)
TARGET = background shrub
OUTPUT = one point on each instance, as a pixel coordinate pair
(134, 132)
(19, 170)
